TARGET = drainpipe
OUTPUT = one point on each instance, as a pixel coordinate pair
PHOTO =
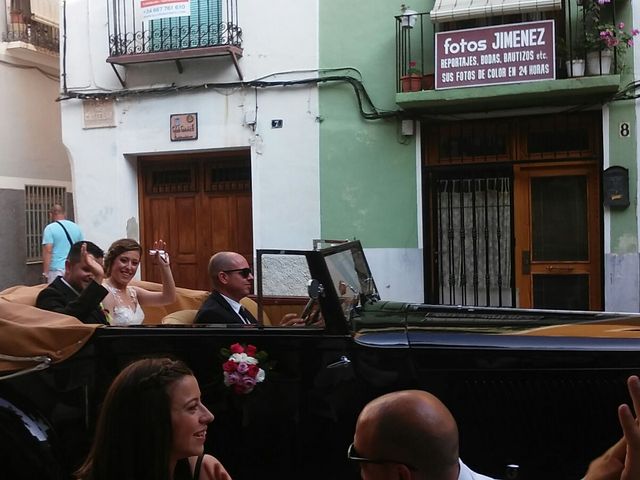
(3, 16)
(64, 47)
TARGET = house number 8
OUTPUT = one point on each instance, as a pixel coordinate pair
(625, 130)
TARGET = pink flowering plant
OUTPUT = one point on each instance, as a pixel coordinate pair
(242, 370)
(413, 68)
(613, 36)
(602, 35)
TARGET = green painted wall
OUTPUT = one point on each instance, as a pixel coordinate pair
(367, 169)
(622, 152)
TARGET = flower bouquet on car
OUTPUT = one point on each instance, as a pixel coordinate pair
(242, 370)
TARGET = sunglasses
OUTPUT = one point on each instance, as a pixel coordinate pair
(353, 456)
(244, 272)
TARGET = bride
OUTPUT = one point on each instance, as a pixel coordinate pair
(124, 302)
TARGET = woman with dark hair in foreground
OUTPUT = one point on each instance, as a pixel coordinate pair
(152, 426)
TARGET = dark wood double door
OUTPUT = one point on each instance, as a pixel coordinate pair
(514, 212)
(199, 204)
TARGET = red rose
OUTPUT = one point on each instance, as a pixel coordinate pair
(251, 350)
(236, 348)
(229, 366)
(252, 371)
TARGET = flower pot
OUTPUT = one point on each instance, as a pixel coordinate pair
(428, 81)
(599, 63)
(575, 67)
(411, 83)
(16, 16)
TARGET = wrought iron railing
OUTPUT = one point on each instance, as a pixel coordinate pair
(211, 23)
(36, 34)
(415, 43)
(473, 218)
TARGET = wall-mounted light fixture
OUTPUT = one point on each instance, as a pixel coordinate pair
(409, 16)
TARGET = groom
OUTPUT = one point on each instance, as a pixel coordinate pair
(79, 291)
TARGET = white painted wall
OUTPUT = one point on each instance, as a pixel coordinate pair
(398, 273)
(31, 149)
(284, 161)
(30, 132)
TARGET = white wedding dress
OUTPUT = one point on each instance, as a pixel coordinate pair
(123, 314)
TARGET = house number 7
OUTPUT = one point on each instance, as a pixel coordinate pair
(625, 130)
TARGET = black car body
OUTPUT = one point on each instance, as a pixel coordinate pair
(538, 389)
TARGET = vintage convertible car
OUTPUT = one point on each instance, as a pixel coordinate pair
(536, 389)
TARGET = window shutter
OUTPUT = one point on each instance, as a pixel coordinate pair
(46, 11)
(200, 29)
(449, 10)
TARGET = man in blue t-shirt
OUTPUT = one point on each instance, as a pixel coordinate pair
(57, 239)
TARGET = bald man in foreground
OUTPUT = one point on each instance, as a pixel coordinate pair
(411, 435)
(408, 435)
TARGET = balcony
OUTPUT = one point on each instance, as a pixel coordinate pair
(137, 36)
(564, 84)
(33, 42)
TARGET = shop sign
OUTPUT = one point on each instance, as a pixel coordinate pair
(183, 126)
(501, 54)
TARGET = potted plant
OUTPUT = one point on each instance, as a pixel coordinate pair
(15, 16)
(428, 81)
(603, 38)
(412, 81)
(572, 53)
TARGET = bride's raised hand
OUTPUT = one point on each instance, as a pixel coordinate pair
(159, 252)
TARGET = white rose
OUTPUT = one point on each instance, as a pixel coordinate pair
(260, 376)
(239, 357)
(251, 361)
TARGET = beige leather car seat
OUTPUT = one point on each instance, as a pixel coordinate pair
(186, 317)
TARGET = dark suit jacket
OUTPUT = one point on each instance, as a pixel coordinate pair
(58, 297)
(216, 309)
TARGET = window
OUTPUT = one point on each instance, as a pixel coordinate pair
(201, 29)
(38, 201)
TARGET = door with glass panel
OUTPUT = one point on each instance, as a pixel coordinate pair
(557, 230)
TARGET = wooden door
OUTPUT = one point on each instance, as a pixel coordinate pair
(199, 206)
(512, 212)
(557, 252)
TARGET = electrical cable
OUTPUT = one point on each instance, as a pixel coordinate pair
(365, 105)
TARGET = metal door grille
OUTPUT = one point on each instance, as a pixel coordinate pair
(38, 201)
(474, 255)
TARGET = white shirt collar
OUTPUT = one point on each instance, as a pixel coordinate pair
(68, 285)
(235, 305)
(467, 474)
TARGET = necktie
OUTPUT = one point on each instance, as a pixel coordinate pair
(245, 315)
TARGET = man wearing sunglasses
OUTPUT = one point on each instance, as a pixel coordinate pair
(408, 435)
(232, 280)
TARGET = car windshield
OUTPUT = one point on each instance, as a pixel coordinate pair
(351, 278)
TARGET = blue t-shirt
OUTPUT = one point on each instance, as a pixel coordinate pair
(54, 234)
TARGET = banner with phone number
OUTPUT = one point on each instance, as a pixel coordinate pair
(158, 9)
